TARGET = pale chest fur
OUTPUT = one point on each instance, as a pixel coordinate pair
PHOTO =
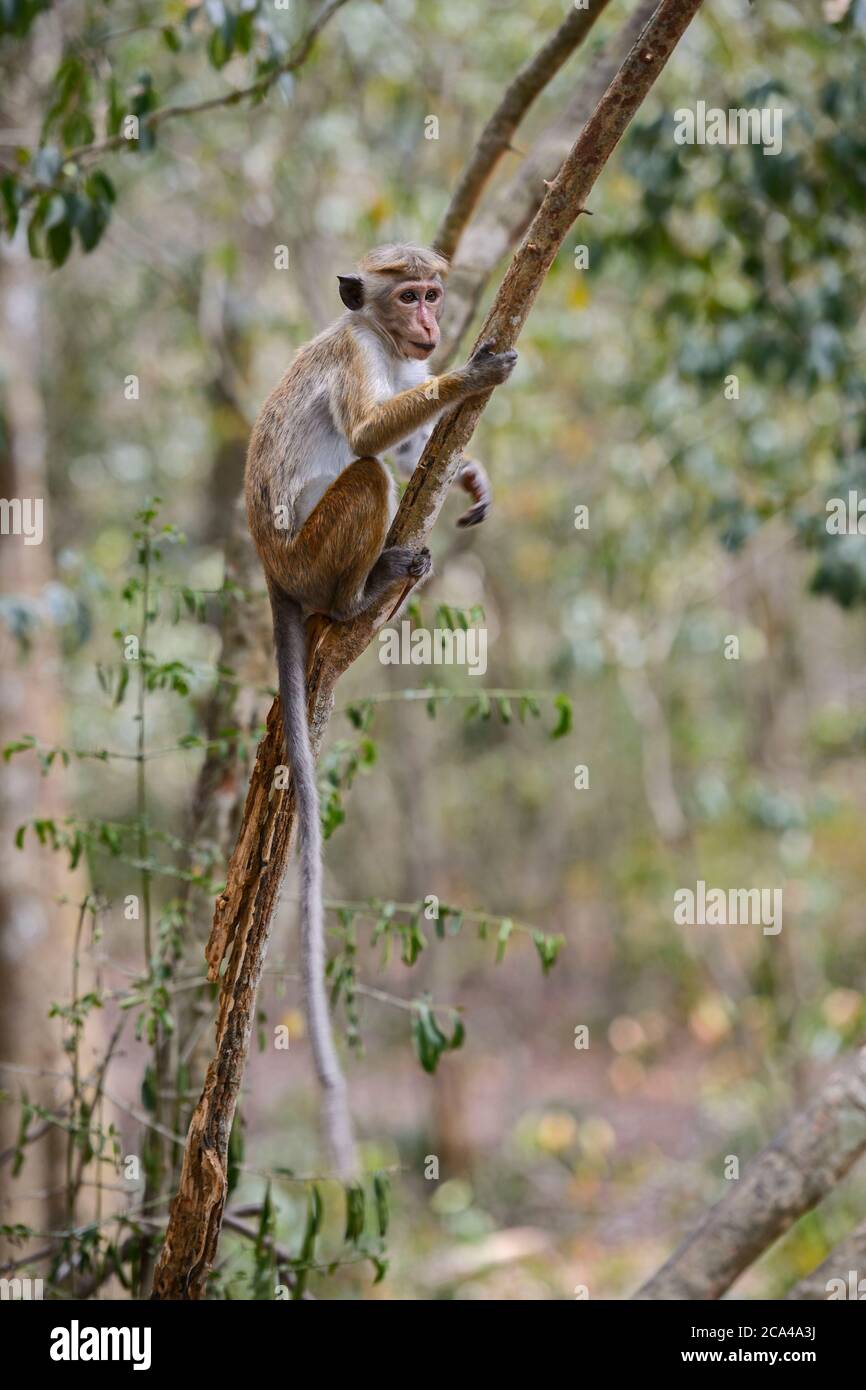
(326, 451)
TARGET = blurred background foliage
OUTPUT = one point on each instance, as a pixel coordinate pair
(557, 1166)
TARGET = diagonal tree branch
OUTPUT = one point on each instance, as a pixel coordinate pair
(495, 138)
(786, 1179)
(243, 913)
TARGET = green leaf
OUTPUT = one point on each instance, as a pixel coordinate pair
(148, 1090)
(34, 227)
(114, 107)
(221, 42)
(429, 1040)
(20, 745)
(16, 17)
(424, 1040)
(413, 940)
(381, 1191)
(360, 714)
(506, 927)
(548, 948)
(9, 196)
(58, 239)
(355, 1211)
(563, 725)
(122, 683)
(99, 185)
(77, 129)
(244, 31)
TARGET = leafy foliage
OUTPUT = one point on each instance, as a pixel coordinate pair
(149, 999)
(92, 108)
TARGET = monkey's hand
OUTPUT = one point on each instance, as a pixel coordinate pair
(487, 368)
(473, 478)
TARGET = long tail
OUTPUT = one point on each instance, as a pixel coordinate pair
(291, 647)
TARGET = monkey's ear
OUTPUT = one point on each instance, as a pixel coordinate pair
(352, 291)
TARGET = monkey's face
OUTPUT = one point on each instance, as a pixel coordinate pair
(411, 313)
(406, 311)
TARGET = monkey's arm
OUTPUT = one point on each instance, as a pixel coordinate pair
(380, 426)
(372, 426)
(471, 476)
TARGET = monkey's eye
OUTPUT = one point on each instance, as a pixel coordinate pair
(431, 296)
(408, 297)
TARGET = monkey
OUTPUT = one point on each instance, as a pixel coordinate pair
(319, 504)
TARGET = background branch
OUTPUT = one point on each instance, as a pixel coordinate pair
(786, 1179)
(495, 138)
(849, 1255)
(494, 231)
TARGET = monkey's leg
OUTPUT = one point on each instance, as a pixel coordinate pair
(396, 564)
(336, 564)
(472, 477)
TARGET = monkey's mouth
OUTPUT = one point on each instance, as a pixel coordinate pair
(422, 347)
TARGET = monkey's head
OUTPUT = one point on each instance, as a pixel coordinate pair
(400, 290)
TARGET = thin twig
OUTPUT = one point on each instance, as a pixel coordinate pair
(258, 89)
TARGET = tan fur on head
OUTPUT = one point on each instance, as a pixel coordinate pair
(406, 259)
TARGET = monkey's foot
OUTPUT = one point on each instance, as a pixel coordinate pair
(474, 516)
(421, 564)
(399, 562)
(418, 564)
